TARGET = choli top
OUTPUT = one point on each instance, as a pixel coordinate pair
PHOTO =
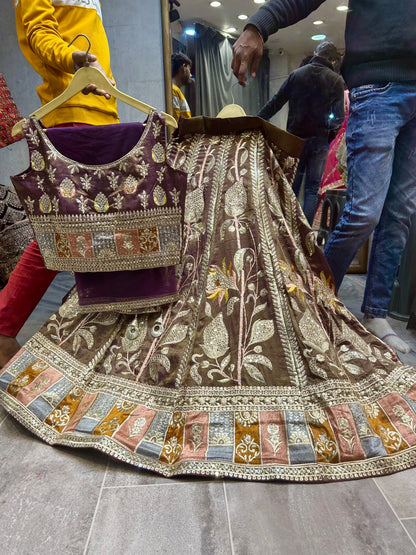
(106, 201)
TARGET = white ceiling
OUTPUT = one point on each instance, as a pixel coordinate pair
(294, 40)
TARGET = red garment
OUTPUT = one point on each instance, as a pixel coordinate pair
(331, 178)
(26, 286)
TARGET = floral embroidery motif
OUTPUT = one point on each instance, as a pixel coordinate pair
(130, 185)
(390, 438)
(405, 418)
(248, 449)
(159, 196)
(372, 411)
(137, 427)
(172, 450)
(18, 384)
(113, 179)
(178, 420)
(298, 435)
(67, 188)
(143, 199)
(37, 161)
(246, 418)
(326, 447)
(109, 426)
(86, 182)
(45, 204)
(346, 432)
(197, 440)
(101, 203)
(60, 417)
(317, 416)
(148, 240)
(158, 153)
(274, 437)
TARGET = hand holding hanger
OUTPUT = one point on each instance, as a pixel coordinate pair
(85, 77)
(79, 57)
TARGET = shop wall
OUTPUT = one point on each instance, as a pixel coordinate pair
(135, 38)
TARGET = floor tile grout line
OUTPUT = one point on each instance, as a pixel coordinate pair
(408, 518)
(394, 512)
(2, 421)
(96, 508)
(229, 519)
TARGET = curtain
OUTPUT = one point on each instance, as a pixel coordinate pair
(215, 84)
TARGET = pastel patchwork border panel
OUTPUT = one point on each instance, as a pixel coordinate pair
(110, 242)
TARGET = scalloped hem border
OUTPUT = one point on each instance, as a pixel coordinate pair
(313, 472)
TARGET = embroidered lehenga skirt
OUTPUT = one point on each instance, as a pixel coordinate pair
(258, 371)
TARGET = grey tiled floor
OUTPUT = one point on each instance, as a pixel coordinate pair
(55, 500)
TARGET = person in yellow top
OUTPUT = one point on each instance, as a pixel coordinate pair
(44, 30)
(181, 76)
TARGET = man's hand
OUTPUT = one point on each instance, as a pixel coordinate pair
(78, 58)
(247, 53)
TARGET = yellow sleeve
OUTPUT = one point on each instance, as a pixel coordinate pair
(180, 105)
(43, 36)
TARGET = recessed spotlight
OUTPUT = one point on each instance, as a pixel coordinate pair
(243, 16)
(190, 32)
(318, 37)
(318, 22)
(342, 8)
(231, 30)
(259, 1)
(215, 4)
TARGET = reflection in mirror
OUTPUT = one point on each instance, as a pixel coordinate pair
(211, 52)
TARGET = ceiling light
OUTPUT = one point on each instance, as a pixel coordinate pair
(215, 4)
(231, 30)
(342, 8)
(318, 22)
(318, 37)
(243, 16)
(190, 32)
(259, 1)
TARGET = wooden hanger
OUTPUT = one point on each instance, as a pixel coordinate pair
(231, 111)
(82, 78)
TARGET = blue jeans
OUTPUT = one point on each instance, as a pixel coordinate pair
(381, 191)
(311, 165)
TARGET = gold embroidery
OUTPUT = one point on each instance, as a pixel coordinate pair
(159, 196)
(158, 153)
(101, 203)
(248, 449)
(37, 161)
(67, 188)
(197, 440)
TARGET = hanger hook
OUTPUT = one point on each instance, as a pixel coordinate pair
(86, 63)
(232, 95)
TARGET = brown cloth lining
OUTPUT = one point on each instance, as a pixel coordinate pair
(289, 143)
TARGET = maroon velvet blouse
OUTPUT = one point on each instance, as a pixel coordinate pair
(104, 203)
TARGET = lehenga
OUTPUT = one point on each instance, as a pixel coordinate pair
(257, 371)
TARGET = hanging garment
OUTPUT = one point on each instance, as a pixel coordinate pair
(9, 115)
(15, 232)
(115, 218)
(257, 371)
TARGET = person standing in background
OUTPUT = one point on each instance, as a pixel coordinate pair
(380, 71)
(181, 76)
(44, 30)
(315, 93)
